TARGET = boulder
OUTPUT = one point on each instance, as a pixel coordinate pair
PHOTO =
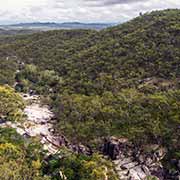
(178, 165)
(111, 148)
(129, 165)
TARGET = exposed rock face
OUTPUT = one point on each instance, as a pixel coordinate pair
(111, 148)
(135, 163)
(54, 142)
(40, 123)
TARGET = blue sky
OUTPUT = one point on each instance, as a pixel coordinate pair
(15, 11)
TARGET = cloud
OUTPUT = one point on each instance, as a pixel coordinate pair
(15, 11)
(111, 2)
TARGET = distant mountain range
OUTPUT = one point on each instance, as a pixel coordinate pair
(52, 26)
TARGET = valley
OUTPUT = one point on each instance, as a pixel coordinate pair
(83, 104)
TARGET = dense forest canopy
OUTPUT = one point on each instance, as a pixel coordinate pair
(122, 81)
(145, 47)
(11, 104)
(84, 65)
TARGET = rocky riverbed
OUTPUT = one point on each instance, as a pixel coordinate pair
(131, 162)
(38, 122)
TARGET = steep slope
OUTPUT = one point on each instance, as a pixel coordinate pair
(51, 47)
(146, 47)
(122, 81)
(47, 50)
(142, 54)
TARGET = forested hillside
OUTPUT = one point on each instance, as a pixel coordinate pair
(145, 47)
(122, 81)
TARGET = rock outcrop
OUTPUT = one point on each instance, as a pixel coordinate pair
(135, 163)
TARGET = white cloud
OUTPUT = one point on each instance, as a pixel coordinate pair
(12, 11)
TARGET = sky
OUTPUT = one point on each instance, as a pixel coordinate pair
(18, 11)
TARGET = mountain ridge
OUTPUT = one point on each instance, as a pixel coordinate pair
(53, 25)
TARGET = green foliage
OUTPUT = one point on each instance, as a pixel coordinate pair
(18, 160)
(116, 81)
(42, 82)
(11, 104)
(121, 81)
(128, 113)
(152, 178)
(8, 68)
(79, 167)
(91, 62)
